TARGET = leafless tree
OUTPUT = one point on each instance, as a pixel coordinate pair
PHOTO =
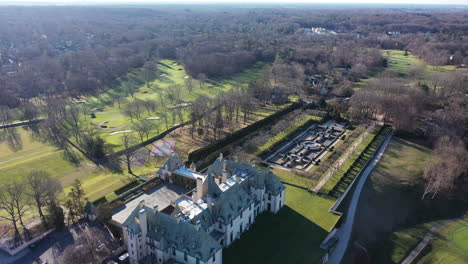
(127, 141)
(143, 128)
(446, 167)
(42, 189)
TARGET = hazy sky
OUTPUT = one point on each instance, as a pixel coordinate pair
(459, 2)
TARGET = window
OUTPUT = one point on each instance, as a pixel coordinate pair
(185, 256)
(173, 252)
(269, 207)
(231, 222)
(214, 257)
(241, 215)
(222, 242)
(232, 237)
(220, 225)
(198, 260)
(240, 228)
(250, 220)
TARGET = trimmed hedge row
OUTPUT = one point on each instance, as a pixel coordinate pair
(204, 152)
(358, 164)
(287, 137)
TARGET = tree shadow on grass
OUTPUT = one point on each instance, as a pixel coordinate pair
(287, 237)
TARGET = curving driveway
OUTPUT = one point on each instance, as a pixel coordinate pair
(344, 232)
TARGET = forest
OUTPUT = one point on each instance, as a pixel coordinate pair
(51, 52)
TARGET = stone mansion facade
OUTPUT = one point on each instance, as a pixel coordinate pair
(219, 206)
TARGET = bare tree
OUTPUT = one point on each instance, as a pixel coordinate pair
(42, 189)
(127, 141)
(9, 206)
(447, 166)
(91, 247)
(144, 128)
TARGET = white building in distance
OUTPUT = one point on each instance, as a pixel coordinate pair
(195, 228)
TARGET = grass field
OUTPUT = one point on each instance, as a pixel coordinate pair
(36, 155)
(391, 217)
(398, 62)
(291, 236)
(108, 109)
(449, 245)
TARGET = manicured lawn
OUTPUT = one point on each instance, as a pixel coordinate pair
(107, 108)
(449, 245)
(398, 62)
(290, 177)
(391, 217)
(291, 236)
(35, 155)
(100, 182)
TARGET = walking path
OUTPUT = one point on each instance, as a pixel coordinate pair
(343, 233)
(425, 241)
(30, 154)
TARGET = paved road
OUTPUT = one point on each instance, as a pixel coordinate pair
(344, 232)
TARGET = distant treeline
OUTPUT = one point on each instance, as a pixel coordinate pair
(71, 51)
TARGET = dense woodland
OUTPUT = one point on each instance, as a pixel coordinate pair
(70, 51)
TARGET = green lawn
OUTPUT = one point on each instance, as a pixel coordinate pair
(449, 245)
(107, 107)
(398, 62)
(391, 217)
(290, 177)
(291, 236)
(36, 155)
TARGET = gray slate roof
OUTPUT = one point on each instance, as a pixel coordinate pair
(173, 163)
(171, 232)
(259, 177)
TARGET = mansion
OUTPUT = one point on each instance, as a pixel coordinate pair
(219, 205)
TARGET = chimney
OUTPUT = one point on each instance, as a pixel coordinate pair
(194, 196)
(253, 163)
(209, 201)
(197, 225)
(224, 174)
(143, 222)
(202, 187)
(156, 208)
(220, 156)
(142, 204)
(193, 167)
(236, 159)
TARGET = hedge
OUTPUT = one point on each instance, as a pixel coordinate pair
(204, 152)
(127, 187)
(288, 135)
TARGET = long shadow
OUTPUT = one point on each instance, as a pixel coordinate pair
(56, 241)
(287, 237)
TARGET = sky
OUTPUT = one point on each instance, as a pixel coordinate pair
(443, 2)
